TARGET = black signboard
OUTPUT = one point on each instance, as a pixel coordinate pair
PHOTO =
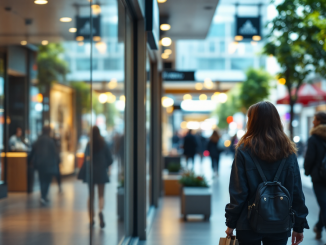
(152, 23)
(178, 76)
(247, 27)
(84, 27)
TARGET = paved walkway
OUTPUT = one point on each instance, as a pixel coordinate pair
(169, 228)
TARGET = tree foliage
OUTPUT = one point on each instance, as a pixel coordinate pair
(296, 40)
(229, 108)
(51, 67)
(256, 87)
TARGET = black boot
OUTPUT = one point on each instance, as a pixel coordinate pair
(102, 223)
(318, 233)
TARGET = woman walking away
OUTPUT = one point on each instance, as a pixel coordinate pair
(45, 159)
(266, 198)
(314, 164)
(102, 160)
(214, 153)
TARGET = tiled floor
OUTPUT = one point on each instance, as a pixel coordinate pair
(169, 228)
(64, 222)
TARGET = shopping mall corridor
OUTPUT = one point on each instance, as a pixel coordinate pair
(169, 228)
(65, 220)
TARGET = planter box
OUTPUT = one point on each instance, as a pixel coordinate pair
(171, 185)
(121, 202)
(196, 200)
(168, 160)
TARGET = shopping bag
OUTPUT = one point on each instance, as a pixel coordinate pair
(228, 241)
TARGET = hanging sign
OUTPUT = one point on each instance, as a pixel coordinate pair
(248, 27)
(178, 76)
(84, 27)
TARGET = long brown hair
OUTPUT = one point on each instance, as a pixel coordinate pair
(215, 137)
(98, 140)
(265, 136)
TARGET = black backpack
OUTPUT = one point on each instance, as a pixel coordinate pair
(271, 211)
(322, 167)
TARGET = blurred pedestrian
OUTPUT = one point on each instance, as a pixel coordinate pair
(266, 168)
(101, 161)
(45, 159)
(214, 152)
(314, 157)
(202, 144)
(190, 147)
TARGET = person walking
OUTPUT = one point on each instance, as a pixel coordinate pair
(97, 174)
(314, 156)
(214, 152)
(45, 159)
(190, 147)
(202, 145)
(265, 153)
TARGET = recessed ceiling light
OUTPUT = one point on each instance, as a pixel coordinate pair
(80, 38)
(73, 29)
(40, 1)
(65, 19)
(166, 41)
(168, 51)
(165, 27)
(96, 9)
(23, 42)
(161, 1)
(45, 42)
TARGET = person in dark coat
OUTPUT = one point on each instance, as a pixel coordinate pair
(214, 152)
(315, 153)
(266, 141)
(101, 161)
(190, 147)
(45, 159)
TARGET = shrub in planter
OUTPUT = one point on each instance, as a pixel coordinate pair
(190, 179)
(174, 167)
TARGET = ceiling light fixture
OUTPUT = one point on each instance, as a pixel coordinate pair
(96, 9)
(23, 42)
(166, 41)
(65, 19)
(256, 38)
(165, 27)
(73, 30)
(164, 56)
(238, 38)
(80, 38)
(96, 38)
(168, 51)
(161, 1)
(41, 2)
(45, 42)
(198, 86)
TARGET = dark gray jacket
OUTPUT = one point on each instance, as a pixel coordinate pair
(44, 156)
(101, 161)
(315, 153)
(244, 181)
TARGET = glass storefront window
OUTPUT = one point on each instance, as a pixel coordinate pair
(148, 136)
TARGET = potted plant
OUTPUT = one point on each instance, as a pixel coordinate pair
(174, 168)
(195, 195)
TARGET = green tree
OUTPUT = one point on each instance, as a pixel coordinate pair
(256, 87)
(229, 108)
(51, 67)
(295, 42)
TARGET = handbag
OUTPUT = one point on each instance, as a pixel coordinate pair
(229, 241)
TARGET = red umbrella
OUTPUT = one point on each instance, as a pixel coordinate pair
(307, 93)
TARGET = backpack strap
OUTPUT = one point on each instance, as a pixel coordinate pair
(262, 175)
(279, 171)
